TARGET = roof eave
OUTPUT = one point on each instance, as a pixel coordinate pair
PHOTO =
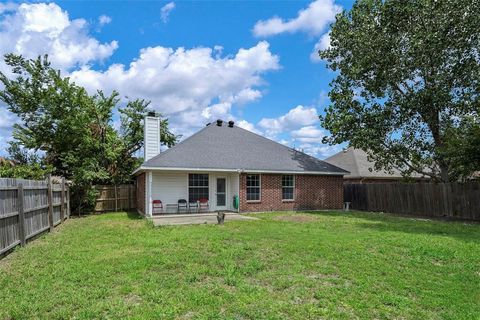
(330, 173)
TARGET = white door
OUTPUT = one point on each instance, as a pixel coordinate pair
(221, 193)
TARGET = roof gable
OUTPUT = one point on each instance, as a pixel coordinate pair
(234, 148)
(356, 162)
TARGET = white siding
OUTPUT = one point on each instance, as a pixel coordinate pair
(151, 137)
(169, 187)
(234, 186)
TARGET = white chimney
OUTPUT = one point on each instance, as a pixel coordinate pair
(151, 136)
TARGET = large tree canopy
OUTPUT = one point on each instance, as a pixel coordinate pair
(408, 73)
(72, 130)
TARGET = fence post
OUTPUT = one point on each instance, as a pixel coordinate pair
(62, 205)
(21, 216)
(50, 203)
(116, 198)
(68, 201)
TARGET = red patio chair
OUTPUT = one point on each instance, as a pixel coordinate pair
(203, 205)
(157, 206)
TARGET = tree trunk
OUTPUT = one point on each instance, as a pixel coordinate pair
(444, 173)
(433, 122)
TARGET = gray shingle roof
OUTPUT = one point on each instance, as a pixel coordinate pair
(234, 148)
(356, 161)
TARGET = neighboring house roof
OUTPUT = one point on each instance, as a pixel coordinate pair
(356, 162)
(5, 161)
(234, 148)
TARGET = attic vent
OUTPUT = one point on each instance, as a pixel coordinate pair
(151, 114)
(219, 122)
(231, 123)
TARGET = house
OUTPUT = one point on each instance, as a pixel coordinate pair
(361, 169)
(223, 161)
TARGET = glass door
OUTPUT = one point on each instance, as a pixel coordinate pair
(221, 193)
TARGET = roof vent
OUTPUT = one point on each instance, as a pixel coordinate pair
(231, 123)
(219, 122)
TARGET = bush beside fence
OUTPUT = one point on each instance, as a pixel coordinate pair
(30, 207)
(452, 200)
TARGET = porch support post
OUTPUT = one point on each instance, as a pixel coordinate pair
(148, 206)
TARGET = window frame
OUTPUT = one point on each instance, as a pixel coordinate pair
(290, 187)
(207, 187)
(259, 187)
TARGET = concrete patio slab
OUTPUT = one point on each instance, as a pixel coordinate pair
(201, 218)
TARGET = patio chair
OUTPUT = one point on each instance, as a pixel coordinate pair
(182, 204)
(157, 206)
(203, 205)
(193, 207)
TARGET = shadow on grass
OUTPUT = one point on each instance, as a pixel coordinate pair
(133, 215)
(386, 222)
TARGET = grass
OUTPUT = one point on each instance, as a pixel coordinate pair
(298, 266)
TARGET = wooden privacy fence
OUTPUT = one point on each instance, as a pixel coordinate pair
(114, 198)
(453, 200)
(30, 207)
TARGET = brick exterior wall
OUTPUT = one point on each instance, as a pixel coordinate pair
(373, 180)
(312, 192)
(141, 194)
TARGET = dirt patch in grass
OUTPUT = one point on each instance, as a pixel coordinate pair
(133, 299)
(301, 218)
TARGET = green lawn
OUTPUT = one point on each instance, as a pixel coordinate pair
(298, 266)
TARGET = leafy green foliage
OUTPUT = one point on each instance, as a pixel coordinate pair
(407, 73)
(318, 265)
(34, 171)
(462, 149)
(72, 129)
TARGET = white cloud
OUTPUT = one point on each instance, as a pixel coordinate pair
(293, 119)
(104, 19)
(36, 29)
(313, 20)
(190, 86)
(319, 151)
(322, 44)
(308, 134)
(248, 126)
(166, 10)
(7, 120)
(299, 128)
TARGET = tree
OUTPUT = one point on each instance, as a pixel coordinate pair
(407, 74)
(33, 171)
(462, 149)
(73, 130)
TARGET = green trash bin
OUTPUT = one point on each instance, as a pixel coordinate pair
(235, 201)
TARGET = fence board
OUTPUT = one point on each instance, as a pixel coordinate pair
(114, 198)
(453, 200)
(24, 209)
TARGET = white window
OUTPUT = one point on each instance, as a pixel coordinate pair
(253, 187)
(197, 187)
(288, 187)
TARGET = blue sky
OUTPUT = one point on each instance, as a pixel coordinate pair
(196, 61)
